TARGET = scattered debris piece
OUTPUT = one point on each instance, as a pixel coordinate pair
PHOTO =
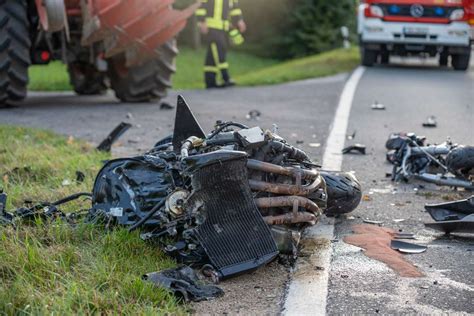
(314, 145)
(80, 176)
(70, 140)
(352, 136)
(106, 144)
(184, 283)
(368, 221)
(361, 149)
(377, 106)
(299, 142)
(66, 182)
(406, 247)
(398, 220)
(430, 122)
(376, 242)
(166, 106)
(404, 236)
(457, 216)
(366, 198)
(253, 115)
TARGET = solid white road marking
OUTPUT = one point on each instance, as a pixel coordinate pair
(332, 159)
(308, 290)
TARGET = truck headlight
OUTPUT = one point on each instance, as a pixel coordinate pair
(376, 11)
(457, 15)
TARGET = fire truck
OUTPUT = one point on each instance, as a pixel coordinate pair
(432, 28)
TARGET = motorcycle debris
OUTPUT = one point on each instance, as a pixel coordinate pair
(352, 136)
(368, 221)
(184, 283)
(80, 176)
(377, 106)
(406, 247)
(430, 122)
(106, 144)
(361, 149)
(457, 216)
(404, 236)
(314, 145)
(166, 106)
(399, 220)
(253, 115)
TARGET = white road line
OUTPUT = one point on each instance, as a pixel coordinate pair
(308, 290)
(332, 159)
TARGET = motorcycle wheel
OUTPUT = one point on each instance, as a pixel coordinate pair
(460, 161)
(344, 193)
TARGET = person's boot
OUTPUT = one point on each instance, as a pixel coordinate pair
(210, 80)
(228, 82)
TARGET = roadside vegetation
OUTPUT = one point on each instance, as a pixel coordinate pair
(53, 268)
(246, 68)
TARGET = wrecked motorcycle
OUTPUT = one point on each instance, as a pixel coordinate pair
(446, 164)
(227, 202)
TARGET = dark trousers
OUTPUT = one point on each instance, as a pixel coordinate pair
(217, 45)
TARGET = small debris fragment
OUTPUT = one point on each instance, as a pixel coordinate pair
(406, 247)
(166, 106)
(357, 148)
(66, 183)
(398, 220)
(253, 115)
(129, 116)
(80, 176)
(377, 106)
(70, 140)
(106, 144)
(430, 122)
(299, 142)
(366, 198)
(352, 136)
(424, 287)
(314, 145)
(368, 221)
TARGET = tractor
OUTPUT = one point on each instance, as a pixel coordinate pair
(126, 45)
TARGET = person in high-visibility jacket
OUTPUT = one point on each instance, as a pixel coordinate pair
(219, 19)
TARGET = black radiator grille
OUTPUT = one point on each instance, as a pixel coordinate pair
(234, 235)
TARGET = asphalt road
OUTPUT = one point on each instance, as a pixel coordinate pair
(304, 111)
(361, 285)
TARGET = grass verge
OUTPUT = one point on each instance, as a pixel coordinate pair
(57, 269)
(247, 69)
(325, 64)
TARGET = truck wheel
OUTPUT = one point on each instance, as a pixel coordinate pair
(86, 79)
(368, 56)
(344, 193)
(14, 49)
(460, 161)
(460, 61)
(146, 82)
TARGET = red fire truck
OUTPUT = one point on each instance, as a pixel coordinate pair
(422, 27)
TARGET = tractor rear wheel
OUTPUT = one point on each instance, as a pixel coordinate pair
(145, 82)
(86, 79)
(14, 50)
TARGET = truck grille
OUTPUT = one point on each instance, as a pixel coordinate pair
(233, 234)
(428, 11)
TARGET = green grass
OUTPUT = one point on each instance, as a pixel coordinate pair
(54, 268)
(321, 65)
(247, 69)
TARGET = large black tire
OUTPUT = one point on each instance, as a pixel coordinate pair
(146, 82)
(460, 61)
(86, 79)
(443, 59)
(460, 161)
(344, 193)
(368, 56)
(14, 50)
